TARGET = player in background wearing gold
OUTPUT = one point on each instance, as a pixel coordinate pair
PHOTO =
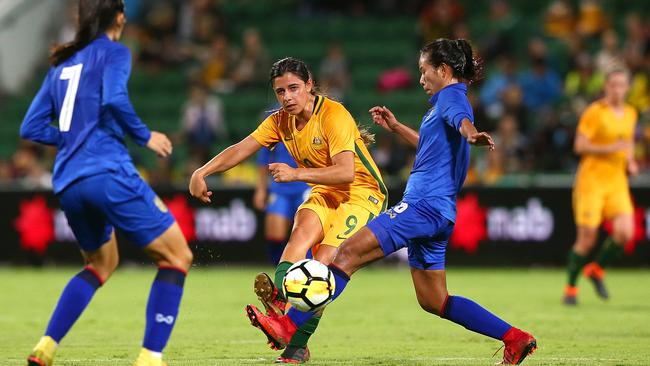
(605, 141)
(347, 189)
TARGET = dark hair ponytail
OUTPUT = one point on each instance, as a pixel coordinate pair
(95, 17)
(458, 55)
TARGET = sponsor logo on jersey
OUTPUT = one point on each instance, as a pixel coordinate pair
(317, 141)
(373, 200)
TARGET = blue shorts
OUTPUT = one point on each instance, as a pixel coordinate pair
(285, 205)
(417, 226)
(95, 205)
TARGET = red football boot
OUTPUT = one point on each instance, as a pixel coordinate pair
(596, 274)
(278, 330)
(519, 344)
(570, 295)
(273, 300)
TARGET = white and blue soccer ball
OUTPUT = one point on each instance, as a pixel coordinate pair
(309, 285)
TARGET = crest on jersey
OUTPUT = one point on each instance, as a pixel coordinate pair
(317, 141)
(159, 203)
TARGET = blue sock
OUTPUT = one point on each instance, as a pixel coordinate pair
(162, 308)
(275, 247)
(474, 317)
(341, 280)
(75, 297)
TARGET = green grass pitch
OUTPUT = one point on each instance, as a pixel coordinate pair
(376, 322)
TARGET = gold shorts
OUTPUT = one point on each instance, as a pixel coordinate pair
(339, 220)
(592, 205)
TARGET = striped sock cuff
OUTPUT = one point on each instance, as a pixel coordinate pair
(338, 271)
(91, 276)
(173, 275)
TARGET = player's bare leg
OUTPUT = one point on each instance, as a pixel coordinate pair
(174, 259)
(171, 250)
(430, 289)
(362, 246)
(297, 350)
(100, 264)
(432, 295)
(611, 250)
(358, 251)
(307, 230)
(585, 241)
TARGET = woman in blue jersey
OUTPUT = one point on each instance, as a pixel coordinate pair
(424, 220)
(96, 181)
(280, 201)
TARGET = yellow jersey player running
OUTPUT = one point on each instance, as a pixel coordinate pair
(347, 189)
(604, 140)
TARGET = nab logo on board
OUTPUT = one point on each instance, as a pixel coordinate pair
(234, 222)
(532, 222)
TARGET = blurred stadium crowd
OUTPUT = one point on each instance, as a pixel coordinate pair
(202, 66)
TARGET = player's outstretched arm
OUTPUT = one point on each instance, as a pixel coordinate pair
(383, 117)
(230, 157)
(340, 172)
(474, 137)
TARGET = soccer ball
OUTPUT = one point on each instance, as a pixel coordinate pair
(309, 285)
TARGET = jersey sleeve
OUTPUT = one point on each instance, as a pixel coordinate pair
(588, 124)
(455, 108)
(267, 133)
(115, 95)
(339, 130)
(36, 125)
(263, 157)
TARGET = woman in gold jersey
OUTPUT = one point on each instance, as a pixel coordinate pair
(347, 189)
(604, 140)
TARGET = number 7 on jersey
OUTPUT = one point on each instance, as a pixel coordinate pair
(72, 74)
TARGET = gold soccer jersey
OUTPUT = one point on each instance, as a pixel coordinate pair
(330, 130)
(601, 187)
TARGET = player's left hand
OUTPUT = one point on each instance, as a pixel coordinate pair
(160, 144)
(481, 139)
(282, 172)
(632, 168)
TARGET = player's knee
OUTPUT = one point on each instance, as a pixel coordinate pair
(184, 259)
(104, 267)
(344, 259)
(431, 307)
(623, 236)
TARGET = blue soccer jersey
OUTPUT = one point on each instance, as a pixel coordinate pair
(442, 155)
(424, 220)
(87, 93)
(94, 176)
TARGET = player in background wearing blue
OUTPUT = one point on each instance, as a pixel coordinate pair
(279, 200)
(96, 182)
(424, 220)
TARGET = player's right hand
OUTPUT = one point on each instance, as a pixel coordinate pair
(383, 117)
(198, 188)
(160, 144)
